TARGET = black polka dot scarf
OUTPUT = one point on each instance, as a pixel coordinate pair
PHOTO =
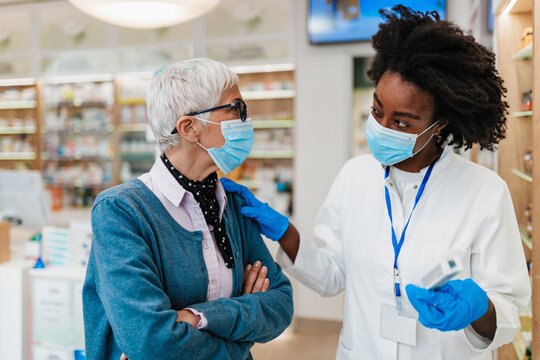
(205, 195)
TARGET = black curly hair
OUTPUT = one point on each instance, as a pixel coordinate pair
(459, 73)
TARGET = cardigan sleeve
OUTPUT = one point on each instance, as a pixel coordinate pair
(136, 306)
(258, 317)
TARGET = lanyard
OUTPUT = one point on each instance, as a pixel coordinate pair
(397, 246)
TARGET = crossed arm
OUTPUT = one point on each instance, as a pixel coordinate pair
(139, 311)
(255, 281)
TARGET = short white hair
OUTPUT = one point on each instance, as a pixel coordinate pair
(183, 88)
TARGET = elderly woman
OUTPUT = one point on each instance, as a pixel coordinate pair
(171, 251)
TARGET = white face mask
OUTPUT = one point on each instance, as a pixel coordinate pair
(390, 146)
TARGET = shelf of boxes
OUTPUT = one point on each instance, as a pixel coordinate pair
(19, 126)
(78, 139)
(268, 171)
(137, 153)
(516, 153)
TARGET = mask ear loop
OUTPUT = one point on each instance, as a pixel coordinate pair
(427, 142)
(201, 145)
(206, 121)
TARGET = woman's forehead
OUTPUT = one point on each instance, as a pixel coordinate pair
(393, 92)
(231, 94)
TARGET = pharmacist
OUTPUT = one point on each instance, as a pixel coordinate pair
(392, 216)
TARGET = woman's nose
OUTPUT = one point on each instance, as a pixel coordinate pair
(385, 121)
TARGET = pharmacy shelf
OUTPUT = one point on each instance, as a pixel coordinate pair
(522, 114)
(7, 130)
(73, 186)
(269, 94)
(80, 131)
(132, 101)
(284, 154)
(273, 124)
(71, 104)
(526, 239)
(17, 104)
(524, 54)
(525, 176)
(257, 124)
(252, 185)
(17, 155)
(519, 353)
(132, 127)
(55, 158)
(529, 310)
(138, 156)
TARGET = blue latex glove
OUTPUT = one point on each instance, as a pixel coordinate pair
(452, 307)
(272, 224)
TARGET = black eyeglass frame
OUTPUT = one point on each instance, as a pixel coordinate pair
(241, 105)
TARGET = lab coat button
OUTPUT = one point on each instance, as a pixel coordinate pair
(415, 187)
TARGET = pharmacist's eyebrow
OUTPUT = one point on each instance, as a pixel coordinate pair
(377, 100)
(397, 113)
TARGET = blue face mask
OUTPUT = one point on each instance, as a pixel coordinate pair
(238, 136)
(389, 146)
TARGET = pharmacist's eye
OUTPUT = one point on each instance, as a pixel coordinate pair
(375, 112)
(400, 124)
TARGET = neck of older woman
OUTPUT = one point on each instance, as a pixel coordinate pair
(191, 161)
(421, 160)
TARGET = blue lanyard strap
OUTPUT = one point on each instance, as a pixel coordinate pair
(397, 246)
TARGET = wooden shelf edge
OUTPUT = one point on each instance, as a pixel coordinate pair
(524, 176)
(273, 124)
(268, 94)
(18, 105)
(271, 155)
(526, 240)
(17, 156)
(6, 130)
(522, 114)
(132, 127)
(519, 354)
(524, 54)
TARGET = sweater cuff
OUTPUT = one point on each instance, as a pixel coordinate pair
(220, 321)
(202, 322)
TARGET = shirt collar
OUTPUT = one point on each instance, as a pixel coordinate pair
(166, 183)
(443, 161)
(174, 192)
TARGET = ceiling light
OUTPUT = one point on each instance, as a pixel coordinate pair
(145, 14)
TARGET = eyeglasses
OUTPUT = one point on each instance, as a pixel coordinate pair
(240, 105)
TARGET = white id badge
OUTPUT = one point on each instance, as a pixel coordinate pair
(397, 327)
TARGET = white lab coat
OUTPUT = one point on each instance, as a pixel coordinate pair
(466, 210)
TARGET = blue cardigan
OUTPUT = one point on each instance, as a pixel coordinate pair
(144, 266)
